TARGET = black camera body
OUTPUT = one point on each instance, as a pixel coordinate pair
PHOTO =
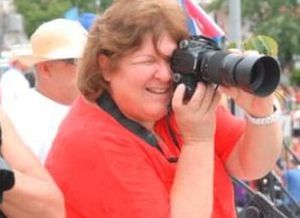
(7, 177)
(200, 59)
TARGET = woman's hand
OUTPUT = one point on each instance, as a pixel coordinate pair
(253, 105)
(196, 118)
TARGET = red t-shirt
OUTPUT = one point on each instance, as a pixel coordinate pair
(104, 170)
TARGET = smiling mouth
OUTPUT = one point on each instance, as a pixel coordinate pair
(159, 91)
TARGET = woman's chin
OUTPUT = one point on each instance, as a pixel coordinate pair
(157, 114)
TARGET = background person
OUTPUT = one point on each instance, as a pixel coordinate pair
(34, 194)
(13, 82)
(121, 151)
(56, 47)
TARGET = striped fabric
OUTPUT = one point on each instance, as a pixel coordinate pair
(200, 23)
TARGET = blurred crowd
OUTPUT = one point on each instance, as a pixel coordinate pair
(282, 184)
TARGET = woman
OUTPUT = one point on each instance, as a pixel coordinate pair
(123, 151)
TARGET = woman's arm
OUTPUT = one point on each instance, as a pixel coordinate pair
(256, 152)
(192, 191)
(34, 194)
(259, 147)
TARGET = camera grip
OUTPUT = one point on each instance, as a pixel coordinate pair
(190, 83)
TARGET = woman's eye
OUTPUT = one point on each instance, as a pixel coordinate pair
(149, 62)
(146, 62)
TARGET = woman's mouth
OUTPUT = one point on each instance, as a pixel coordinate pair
(159, 91)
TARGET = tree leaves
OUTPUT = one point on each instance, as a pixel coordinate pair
(262, 44)
(36, 12)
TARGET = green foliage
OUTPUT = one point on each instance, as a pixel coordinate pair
(263, 44)
(216, 4)
(36, 12)
(295, 77)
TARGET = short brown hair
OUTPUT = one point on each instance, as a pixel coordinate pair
(121, 30)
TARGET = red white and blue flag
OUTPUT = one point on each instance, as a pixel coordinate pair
(199, 22)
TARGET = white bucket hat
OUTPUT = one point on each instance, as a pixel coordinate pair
(20, 52)
(57, 39)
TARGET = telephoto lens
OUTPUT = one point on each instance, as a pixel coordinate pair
(200, 59)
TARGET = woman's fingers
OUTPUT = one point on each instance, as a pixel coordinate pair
(201, 101)
(178, 96)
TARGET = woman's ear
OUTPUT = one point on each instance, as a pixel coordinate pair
(103, 62)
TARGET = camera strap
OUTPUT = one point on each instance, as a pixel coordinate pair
(106, 103)
(2, 215)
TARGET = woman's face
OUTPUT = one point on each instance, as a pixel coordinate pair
(142, 83)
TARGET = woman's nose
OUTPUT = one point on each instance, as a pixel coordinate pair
(164, 71)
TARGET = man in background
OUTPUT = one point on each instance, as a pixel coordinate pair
(14, 82)
(56, 47)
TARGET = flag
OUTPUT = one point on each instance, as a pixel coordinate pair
(200, 23)
(87, 19)
(72, 14)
